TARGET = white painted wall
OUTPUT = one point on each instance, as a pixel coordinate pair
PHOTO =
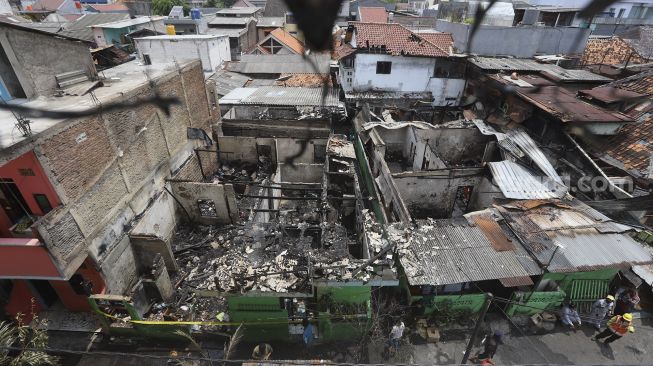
(210, 51)
(408, 74)
(624, 4)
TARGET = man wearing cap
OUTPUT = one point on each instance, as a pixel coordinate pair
(618, 326)
(600, 309)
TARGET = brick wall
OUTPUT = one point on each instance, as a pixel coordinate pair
(106, 163)
(610, 51)
(78, 155)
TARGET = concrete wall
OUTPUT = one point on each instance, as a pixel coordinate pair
(222, 196)
(212, 52)
(116, 172)
(37, 58)
(301, 172)
(524, 41)
(433, 193)
(407, 74)
(152, 234)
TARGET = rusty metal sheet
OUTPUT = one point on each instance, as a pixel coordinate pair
(609, 94)
(493, 233)
(516, 281)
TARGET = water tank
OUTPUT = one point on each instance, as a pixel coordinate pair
(170, 30)
(195, 14)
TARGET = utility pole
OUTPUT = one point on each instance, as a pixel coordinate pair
(488, 301)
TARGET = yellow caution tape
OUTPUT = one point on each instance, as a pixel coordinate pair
(169, 322)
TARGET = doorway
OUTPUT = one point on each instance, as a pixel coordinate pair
(461, 203)
(10, 87)
(12, 201)
(45, 293)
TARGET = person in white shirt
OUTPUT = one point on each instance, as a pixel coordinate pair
(396, 333)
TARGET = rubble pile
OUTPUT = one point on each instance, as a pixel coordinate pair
(265, 257)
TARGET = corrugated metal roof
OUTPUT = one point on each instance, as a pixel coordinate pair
(516, 181)
(271, 22)
(281, 64)
(282, 96)
(577, 231)
(645, 272)
(515, 64)
(226, 81)
(231, 21)
(441, 252)
(529, 147)
(241, 10)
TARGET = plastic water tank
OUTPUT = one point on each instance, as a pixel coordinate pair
(195, 14)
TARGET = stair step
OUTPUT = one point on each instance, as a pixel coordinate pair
(73, 81)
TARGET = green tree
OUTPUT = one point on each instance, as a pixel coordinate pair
(214, 4)
(25, 341)
(163, 7)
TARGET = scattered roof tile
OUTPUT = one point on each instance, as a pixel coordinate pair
(399, 40)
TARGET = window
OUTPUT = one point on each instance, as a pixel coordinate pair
(450, 69)
(319, 153)
(621, 13)
(42, 201)
(383, 67)
(146, 59)
(80, 286)
(348, 62)
(207, 208)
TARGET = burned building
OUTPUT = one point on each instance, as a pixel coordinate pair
(88, 181)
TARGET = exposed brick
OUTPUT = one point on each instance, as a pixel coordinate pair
(140, 159)
(76, 164)
(197, 100)
(64, 236)
(190, 170)
(97, 203)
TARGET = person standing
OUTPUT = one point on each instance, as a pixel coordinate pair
(569, 316)
(308, 332)
(618, 326)
(396, 333)
(490, 345)
(626, 302)
(600, 309)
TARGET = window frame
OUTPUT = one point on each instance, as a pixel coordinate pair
(381, 67)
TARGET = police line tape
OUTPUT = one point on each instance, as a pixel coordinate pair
(171, 322)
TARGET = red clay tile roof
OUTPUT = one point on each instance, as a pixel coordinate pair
(373, 15)
(399, 40)
(438, 38)
(342, 51)
(633, 145)
(288, 40)
(109, 7)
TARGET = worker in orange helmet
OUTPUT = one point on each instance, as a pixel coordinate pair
(618, 327)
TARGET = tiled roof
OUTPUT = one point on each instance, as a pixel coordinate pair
(373, 15)
(632, 147)
(288, 40)
(343, 51)
(437, 38)
(399, 40)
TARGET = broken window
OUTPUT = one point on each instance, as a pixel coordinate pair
(449, 69)
(207, 208)
(80, 286)
(383, 67)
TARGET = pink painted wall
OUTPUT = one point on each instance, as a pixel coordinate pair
(28, 186)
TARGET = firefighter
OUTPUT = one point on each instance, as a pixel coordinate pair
(618, 327)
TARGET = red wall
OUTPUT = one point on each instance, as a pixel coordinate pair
(25, 258)
(28, 185)
(20, 301)
(72, 300)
